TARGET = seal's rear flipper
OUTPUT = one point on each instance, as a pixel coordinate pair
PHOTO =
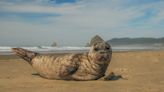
(25, 54)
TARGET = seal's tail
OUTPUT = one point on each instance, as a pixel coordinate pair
(25, 54)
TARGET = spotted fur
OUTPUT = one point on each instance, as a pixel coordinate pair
(85, 66)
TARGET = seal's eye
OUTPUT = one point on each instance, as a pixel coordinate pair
(96, 49)
(107, 48)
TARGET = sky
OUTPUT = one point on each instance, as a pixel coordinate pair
(75, 22)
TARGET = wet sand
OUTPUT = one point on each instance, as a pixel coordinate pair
(144, 71)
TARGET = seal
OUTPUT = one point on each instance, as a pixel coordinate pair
(82, 67)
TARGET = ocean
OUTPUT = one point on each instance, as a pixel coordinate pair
(6, 50)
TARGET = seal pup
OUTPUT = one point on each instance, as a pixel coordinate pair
(82, 67)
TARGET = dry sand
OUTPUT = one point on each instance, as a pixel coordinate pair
(143, 69)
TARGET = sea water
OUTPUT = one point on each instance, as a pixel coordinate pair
(6, 50)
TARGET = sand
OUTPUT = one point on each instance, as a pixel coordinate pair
(144, 71)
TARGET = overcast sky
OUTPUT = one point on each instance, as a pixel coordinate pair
(74, 22)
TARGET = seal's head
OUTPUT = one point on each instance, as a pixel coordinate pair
(100, 52)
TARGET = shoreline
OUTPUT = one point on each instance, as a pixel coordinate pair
(79, 51)
(13, 56)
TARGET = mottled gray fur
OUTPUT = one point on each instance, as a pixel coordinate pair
(86, 66)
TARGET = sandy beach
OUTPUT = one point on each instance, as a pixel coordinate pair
(143, 70)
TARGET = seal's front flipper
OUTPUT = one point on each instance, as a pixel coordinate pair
(112, 76)
(25, 54)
